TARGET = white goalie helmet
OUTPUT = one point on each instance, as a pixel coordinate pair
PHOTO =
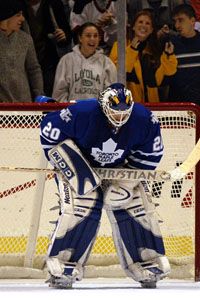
(117, 104)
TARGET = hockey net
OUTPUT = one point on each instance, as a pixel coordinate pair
(29, 201)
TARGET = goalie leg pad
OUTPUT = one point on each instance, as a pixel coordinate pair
(137, 236)
(76, 227)
(75, 169)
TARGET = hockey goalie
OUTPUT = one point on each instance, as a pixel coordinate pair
(111, 131)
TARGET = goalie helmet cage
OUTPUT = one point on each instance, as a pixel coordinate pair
(29, 201)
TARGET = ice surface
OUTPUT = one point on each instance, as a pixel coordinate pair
(99, 290)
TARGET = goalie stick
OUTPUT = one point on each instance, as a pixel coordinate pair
(192, 159)
(184, 168)
(107, 173)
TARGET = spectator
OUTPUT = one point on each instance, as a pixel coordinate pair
(21, 77)
(85, 71)
(51, 34)
(185, 84)
(100, 12)
(146, 65)
(161, 9)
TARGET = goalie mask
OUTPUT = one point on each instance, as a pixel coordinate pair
(117, 104)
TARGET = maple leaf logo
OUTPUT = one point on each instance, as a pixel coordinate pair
(108, 154)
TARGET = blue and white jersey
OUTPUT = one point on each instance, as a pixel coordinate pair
(138, 142)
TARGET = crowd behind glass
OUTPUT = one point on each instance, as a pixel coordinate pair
(68, 49)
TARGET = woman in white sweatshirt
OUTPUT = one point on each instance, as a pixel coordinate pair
(84, 72)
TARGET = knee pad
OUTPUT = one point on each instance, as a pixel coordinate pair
(77, 224)
(137, 235)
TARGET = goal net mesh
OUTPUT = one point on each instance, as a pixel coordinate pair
(22, 192)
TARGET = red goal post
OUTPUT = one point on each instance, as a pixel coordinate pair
(20, 193)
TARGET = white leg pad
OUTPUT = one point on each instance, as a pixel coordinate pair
(137, 234)
(75, 232)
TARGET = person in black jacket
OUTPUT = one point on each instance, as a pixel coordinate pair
(51, 34)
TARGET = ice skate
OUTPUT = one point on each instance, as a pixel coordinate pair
(60, 282)
(148, 284)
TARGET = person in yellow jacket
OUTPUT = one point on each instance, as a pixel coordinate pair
(146, 64)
